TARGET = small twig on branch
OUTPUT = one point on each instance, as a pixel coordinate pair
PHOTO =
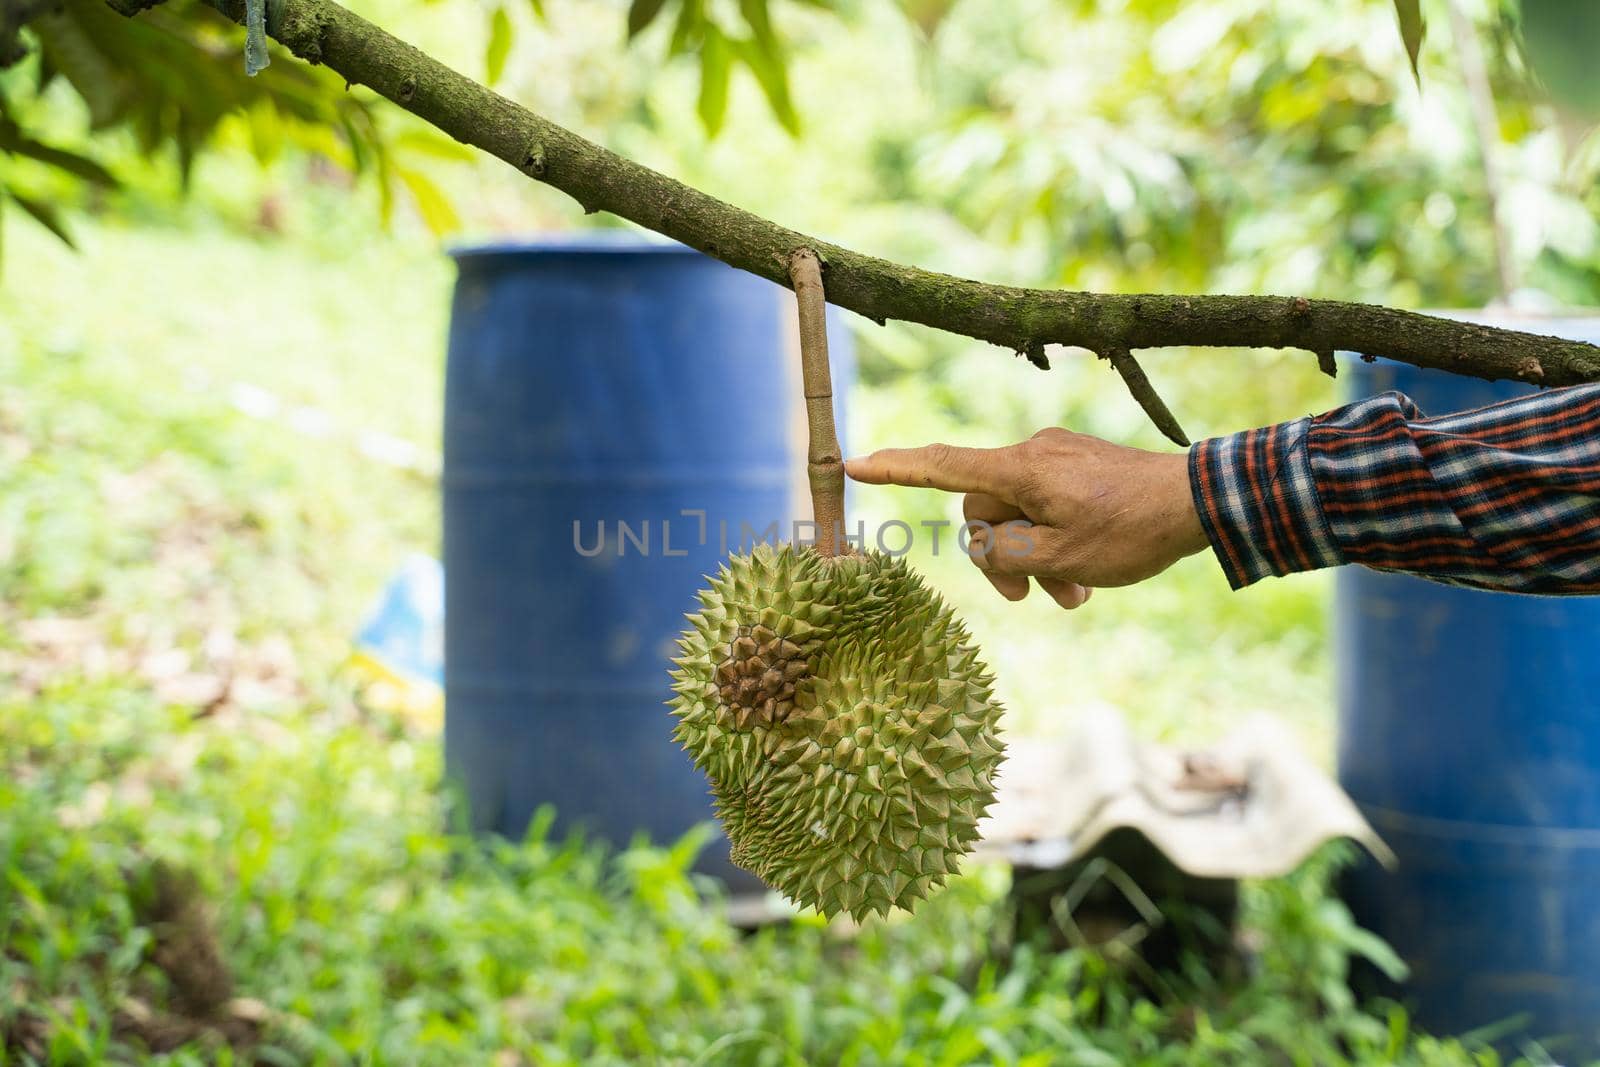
(1138, 384)
(1019, 320)
(824, 464)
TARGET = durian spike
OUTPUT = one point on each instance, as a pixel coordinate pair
(824, 465)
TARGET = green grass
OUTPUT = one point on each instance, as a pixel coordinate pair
(178, 583)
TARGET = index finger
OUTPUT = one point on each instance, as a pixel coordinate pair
(957, 470)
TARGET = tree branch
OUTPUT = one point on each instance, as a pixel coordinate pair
(1022, 320)
(1139, 387)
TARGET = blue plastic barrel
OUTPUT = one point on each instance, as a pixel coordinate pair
(1469, 735)
(599, 380)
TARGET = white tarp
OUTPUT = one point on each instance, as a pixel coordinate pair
(1252, 806)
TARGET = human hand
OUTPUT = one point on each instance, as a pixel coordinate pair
(1068, 510)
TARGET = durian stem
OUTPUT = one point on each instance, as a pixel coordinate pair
(824, 465)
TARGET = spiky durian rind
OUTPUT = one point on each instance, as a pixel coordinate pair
(860, 786)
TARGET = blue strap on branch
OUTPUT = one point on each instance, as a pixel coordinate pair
(255, 37)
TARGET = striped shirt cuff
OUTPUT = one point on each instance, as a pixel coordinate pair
(1258, 503)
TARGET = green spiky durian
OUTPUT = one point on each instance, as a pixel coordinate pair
(846, 725)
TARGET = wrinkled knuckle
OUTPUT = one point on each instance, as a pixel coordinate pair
(1058, 558)
(1049, 450)
(1052, 442)
(1030, 485)
(1001, 562)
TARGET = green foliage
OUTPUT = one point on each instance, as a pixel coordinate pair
(19, 145)
(719, 42)
(171, 80)
(1562, 39)
(1412, 27)
(159, 75)
(499, 49)
(1290, 153)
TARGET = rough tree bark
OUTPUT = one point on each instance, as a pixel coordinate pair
(1022, 320)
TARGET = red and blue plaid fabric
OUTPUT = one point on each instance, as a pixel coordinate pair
(1504, 497)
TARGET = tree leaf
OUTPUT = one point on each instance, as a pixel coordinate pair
(265, 127)
(686, 29)
(385, 183)
(1376, 951)
(73, 53)
(759, 20)
(1409, 13)
(186, 139)
(538, 9)
(715, 60)
(1560, 37)
(926, 15)
(47, 73)
(45, 215)
(494, 61)
(773, 77)
(356, 142)
(432, 204)
(427, 141)
(641, 13)
(11, 140)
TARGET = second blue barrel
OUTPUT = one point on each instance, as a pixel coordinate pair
(1469, 736)
(611, 407)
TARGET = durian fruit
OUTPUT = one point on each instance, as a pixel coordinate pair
(846, 725)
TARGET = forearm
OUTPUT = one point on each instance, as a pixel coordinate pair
(1506, 497)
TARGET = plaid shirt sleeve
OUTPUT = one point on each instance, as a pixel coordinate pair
(1504, 497)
